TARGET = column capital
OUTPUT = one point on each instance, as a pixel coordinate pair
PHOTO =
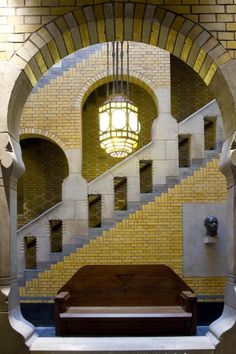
(11, 158)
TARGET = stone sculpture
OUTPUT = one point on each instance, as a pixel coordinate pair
(211, 225)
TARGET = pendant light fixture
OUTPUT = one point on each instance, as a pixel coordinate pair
(118, 116)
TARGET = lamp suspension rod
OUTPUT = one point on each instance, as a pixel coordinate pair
(108, 68)
(127, 69)
(122, 69)
(117, 66)
(113, 67)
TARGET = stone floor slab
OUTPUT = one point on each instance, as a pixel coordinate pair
(157, 345)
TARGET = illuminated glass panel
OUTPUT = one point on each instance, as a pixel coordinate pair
(118, 118)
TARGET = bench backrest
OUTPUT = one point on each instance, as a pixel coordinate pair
(125, 285)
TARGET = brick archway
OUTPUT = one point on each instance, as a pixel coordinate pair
(26, 133)
(101, 78)
(133, 21)
(145, 23)
(96, 24)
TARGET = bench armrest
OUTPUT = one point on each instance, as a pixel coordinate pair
(61, 305)
(62, 301)
(188, 301)
(62, 296)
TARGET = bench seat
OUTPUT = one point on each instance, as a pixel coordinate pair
(125, 300)
(121, 312)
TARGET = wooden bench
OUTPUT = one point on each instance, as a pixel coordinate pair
(125, 300)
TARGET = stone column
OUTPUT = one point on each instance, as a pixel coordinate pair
(75, 198)
(15, 333)
(223, 331)
(165, 139)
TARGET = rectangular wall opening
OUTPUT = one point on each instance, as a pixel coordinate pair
(145, 169)
(120, 191)
(30, 248)
(184, 150)
(210, 133)
(95, 210)
(56, 235)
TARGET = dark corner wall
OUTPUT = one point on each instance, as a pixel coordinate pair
(188, 92)
(40, 186)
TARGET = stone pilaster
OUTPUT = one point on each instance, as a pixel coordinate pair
(75, 197)
(165, 138)
(15, 333)
(223, 331)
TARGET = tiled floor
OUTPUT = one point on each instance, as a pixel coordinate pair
(50, 331)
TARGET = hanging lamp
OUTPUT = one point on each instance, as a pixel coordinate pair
(118, 117)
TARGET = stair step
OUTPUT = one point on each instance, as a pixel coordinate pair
(133, 206)
(211, 154)
(32, 273)
(95, 231)
(198, 163)
(107, 224)
(172, 181)
(120, 216)
(147, 197)
(159, 189)
(80, 241)
(68, 248)
(185, 172)
(55, 257)
(67, 63)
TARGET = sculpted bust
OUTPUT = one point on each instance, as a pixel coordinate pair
(211, 225)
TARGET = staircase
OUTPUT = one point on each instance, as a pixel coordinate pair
(148, 194)
(66, 64)
(118, 217)
(148, 235)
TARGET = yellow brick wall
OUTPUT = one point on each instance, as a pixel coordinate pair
(188, 92)
(149, 236)
(54, 108)
(19, 18)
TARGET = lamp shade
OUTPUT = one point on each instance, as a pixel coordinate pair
(118, 126)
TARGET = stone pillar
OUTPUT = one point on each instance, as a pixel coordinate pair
(16, 334)
(223, 331)
(75, 198)
(165, 139)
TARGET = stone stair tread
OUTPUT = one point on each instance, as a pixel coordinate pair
(65, 64)
(172, 180)
(211, 153)
(146, 194)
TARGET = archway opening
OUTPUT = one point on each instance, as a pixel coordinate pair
(41, 185)
(95, 160)
(206, 69)
(182, 76)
